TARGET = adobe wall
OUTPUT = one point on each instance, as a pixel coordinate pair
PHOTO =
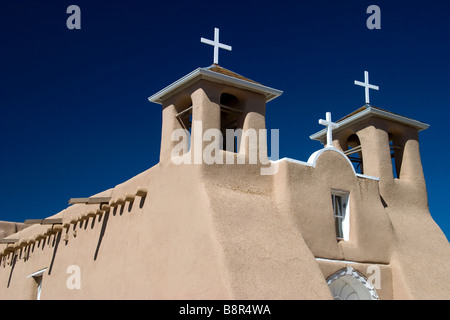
(7, 228)
(188, 239)
(306, 194)
(420, 251)
(228, 232)
(160, 247)
(265, 255)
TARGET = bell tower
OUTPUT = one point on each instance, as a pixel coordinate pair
(203, 107)
(212, 98)
(378, 142)
(382, 144)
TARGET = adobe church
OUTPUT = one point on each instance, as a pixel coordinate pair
(351, 222)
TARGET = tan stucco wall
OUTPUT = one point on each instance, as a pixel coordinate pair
(307, 196)
(228, 232)
(204, 232)
(421, 253)
(196, 241)
(7, 228)
(166, 249)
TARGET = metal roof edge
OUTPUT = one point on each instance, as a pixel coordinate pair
(269, 92)
(373, 111)
(157, 97)
(204, 73)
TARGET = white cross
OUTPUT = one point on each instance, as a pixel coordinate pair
(367, 86)
(330, 125)
(216, 44)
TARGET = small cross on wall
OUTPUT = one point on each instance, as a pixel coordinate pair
(330, 125)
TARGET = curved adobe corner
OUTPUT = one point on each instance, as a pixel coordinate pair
(315, 156)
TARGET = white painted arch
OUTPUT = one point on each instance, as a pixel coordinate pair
(348, 284)
(313, 159)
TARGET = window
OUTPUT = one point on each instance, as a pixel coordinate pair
(354, 153)
(396, 154)
(341, 214)
(229, 100)
(37, 287)
(230, 118)
(184, 115)
(349, 284)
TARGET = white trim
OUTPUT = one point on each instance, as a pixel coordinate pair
(39, 290)
(37, 273)
(367, 177)
(349, 261)
(156, 98)
(293, 161)
(204, 73)
(368, 290)
(365, 114)
(312, 162)
(313, 158)
(340, 261)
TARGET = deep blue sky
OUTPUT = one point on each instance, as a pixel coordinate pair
(75, 119)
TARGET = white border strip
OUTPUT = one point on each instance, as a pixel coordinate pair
(316, 155)
(293, 161)
(367, 177)
(178, 85)
(350, 262)
(381, 113)
(37, 273)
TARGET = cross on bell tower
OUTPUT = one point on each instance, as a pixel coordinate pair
(216, 44)
(367, 86)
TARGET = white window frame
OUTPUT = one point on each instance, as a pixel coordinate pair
(36, 275)
(342, 217)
